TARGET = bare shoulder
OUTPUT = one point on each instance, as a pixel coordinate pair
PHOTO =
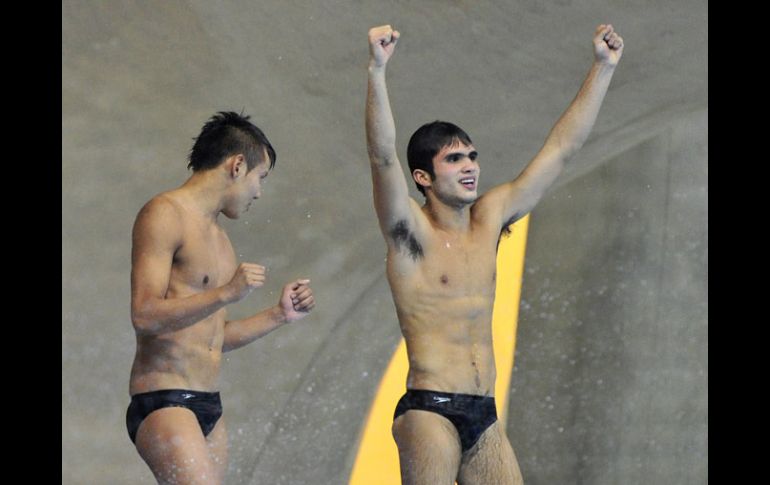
(489, 209)
(162, 206)
(160, 216)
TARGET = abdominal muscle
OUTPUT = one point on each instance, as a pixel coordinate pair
(189, 358)
(449, 344)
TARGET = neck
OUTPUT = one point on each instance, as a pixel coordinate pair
(204, 191)
(446, 217)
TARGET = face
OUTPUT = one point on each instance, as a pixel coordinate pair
(456, 174)
(246, 189)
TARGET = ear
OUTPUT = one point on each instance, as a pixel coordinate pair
(236, 166)
(422, 177)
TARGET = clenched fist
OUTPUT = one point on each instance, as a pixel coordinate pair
(247, 277)
(382, 43)
(296, 300)
(608, 45)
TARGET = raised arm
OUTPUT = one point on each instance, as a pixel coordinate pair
(156, 237)
(391, 194)
(518, 197)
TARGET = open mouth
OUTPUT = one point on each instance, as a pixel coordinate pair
(469, 183)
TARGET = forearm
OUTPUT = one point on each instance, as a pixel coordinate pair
(380, 127)
(159, 315)
(575, 124)
(242, 332)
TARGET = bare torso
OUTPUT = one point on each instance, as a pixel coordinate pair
(444, 302)
(188, 358)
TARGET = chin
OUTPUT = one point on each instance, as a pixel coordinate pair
(470, 197)
(458, 199)
(460, 202)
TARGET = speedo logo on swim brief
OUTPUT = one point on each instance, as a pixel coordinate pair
(187, 395)
(441, 399)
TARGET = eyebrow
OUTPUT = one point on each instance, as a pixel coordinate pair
(471, 153)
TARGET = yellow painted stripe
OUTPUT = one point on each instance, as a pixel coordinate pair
(377, 459)
(510, 268)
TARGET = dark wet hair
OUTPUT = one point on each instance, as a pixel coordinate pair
(229, 133)
(427, 141)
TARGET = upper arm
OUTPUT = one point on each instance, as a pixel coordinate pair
(392, 203)
(510, 201)
(156, 237)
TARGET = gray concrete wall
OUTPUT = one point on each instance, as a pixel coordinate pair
(141, 77)
(611, 375)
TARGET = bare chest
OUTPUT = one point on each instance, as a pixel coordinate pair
(206, 258)
(448, 267)
(464, 266)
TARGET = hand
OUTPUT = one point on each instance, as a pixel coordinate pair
(608, 45)
(296, 300)
(247, 277)
(382, 43)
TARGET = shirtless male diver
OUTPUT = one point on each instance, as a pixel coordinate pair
(183, 274)
(441, 269)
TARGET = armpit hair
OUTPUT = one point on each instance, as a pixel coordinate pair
(506, 230)
(405, 240)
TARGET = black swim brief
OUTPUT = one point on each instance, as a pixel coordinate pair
(470, 414)
(207, 407)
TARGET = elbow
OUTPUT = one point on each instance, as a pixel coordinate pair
(381, 158)
(143, 324)
(383, 152)
(569, 152)
(230, 342)
(563, 146)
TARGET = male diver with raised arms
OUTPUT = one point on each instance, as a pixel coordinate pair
(441, 260)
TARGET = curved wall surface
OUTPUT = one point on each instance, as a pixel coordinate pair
(610, 378)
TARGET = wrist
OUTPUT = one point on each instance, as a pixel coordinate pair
(279, 316)
(605, 65)
(227, 295)
(376, 69)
